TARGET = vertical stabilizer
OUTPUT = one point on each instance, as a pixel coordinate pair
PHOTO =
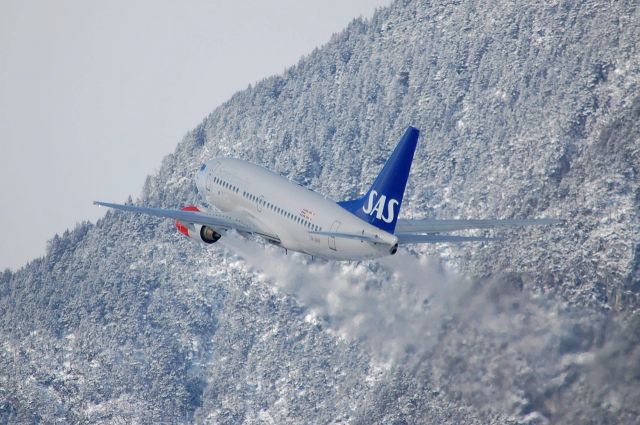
(380, 206)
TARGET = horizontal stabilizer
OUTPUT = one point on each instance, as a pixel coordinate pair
(433, 225)
(409, 238)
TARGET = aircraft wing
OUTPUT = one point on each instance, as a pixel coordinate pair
(213, 219)
(436, 226)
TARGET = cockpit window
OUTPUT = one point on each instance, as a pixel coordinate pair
(203, 166)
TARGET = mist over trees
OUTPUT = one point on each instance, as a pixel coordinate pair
(525, 109)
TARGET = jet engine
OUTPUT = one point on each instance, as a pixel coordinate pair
(195, 231)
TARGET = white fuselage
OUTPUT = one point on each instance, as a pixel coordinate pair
(289, 212)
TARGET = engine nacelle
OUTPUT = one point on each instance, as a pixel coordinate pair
(197, 232)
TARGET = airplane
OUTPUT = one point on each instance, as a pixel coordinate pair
(255, 201)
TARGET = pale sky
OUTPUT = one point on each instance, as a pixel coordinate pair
(93, 94)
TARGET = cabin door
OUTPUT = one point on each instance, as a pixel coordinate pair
(332, 239)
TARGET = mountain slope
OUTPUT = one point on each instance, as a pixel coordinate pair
(526, 110)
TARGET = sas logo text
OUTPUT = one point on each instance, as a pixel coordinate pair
(378, 207)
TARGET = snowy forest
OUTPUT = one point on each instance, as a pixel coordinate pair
(526, 109)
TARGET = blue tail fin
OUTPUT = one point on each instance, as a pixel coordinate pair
(381, 204)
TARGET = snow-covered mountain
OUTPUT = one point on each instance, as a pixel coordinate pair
(527, 109)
